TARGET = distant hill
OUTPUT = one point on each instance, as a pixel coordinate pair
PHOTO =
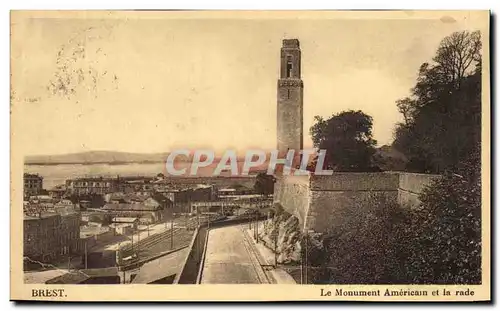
(116, 157)
(108, 157)
(95, 157)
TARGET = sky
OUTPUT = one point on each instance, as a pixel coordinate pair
(154, 83)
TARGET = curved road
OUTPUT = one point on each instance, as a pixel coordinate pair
(230, 259)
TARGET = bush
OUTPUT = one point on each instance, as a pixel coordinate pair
(436, 243)
(363, 248)
(446, 244)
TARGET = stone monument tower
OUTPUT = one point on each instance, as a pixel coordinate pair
(290, 99)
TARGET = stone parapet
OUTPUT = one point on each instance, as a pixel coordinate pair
(316, 200)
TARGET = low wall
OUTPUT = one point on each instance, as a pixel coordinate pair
(410, 187)
(189, 271)
(317, 200)
(330, 194)
(355, 182)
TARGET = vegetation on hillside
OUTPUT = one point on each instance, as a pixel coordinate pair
(442, 115)
(438, 242)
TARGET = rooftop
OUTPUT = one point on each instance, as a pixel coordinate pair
(76, 277)
(86, 231)
(42, 215)
(162, 267)
(28, 175)
(128, 207)
(126, 220)
(59, 188)
(100, 178)
(40, 277)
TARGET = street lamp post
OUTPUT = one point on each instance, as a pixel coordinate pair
(86, 255)
(306, 263)
(172, 233)
(138, 243)
(257, 228)
(276, 249)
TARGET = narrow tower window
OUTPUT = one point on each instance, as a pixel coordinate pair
(289, 66)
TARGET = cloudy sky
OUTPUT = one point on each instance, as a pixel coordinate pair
(152, 82)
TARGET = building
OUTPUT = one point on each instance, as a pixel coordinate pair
(155, 200)
(33, 184)
(91, 185)
(290, 98)
(41, 199)
(51, 235)
(137, 186)
(124, 225)
(58, 192)
(159, 200)
(146, 213)
(69, 233)
(235, 191)
(66, 205)
(194, 193)
(41, 237)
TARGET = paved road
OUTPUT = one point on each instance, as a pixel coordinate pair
(229, 260)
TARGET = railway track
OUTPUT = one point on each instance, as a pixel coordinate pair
(160, 242)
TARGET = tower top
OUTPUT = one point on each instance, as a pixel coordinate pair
(290, 59)
(291, 43)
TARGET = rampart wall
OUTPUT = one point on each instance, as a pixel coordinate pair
(317, 200)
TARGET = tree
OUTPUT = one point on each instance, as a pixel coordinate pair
(264, 184)
(445, 242)
(442, 134)
(406, 107)
(347, 138)
(442, 117)
(456, 56)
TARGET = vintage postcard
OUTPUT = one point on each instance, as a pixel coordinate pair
(250, 155)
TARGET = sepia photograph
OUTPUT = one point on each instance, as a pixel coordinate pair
(280, 155)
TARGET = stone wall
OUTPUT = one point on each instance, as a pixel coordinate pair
(317, 200)
(410, 187)
(330, 194)
(293, 193)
